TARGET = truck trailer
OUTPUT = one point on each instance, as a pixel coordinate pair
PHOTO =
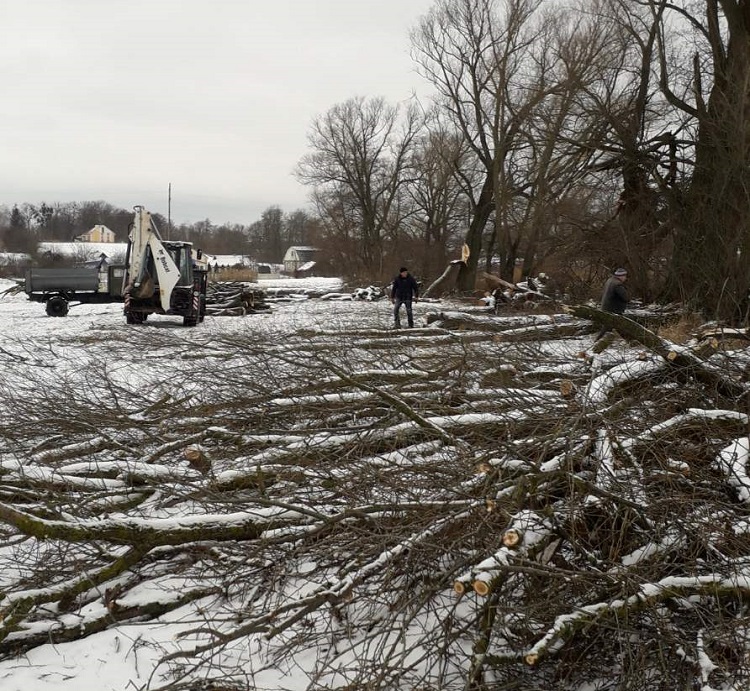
(59, 287)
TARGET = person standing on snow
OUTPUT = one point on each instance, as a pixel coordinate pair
(403, 291)
(614, 297)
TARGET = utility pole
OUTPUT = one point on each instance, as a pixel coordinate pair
(169, 212)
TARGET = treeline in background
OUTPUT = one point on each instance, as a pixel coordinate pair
(24, 226)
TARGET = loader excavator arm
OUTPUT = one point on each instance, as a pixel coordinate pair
(146, 256)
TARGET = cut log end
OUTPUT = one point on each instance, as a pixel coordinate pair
(459, 587)
(531, 659)
(481, 588)
(193, 452)
(196, 458)
(567, 388)
(512, 538)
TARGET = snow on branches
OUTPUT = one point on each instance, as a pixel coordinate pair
(460, 506)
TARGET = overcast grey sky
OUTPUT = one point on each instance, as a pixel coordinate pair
(115, 99)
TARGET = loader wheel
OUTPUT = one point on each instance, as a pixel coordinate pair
(57, 306)
(135, 317)
(190, 321)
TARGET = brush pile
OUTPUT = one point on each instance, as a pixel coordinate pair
(470, 505)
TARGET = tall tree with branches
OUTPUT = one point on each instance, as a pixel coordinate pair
(640, 165)
(469, 54)
(439, 204)
(507, 76)
(358, 166)
(712, 235)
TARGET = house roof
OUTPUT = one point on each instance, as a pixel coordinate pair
(306, 266)
(299, 253)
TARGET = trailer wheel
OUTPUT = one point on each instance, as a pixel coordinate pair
(57, 306)
(190, 321)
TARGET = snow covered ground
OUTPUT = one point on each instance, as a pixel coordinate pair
(23, 320)
(123, 657)
(395, 463)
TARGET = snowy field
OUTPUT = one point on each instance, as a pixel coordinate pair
(28, 319)
(306, 499)
(35, 348)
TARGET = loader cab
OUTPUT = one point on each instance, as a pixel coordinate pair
(142, 297)
(182, 255)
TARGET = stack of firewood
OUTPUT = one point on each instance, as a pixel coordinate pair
(234, 299)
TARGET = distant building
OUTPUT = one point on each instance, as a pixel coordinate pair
(98, 233)
(298, 256)
(305, 270)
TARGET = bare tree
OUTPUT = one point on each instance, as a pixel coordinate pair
(703, 63)
(551, 167)
(439, 205)
(469, 53)
(507, 76)
(358, 167)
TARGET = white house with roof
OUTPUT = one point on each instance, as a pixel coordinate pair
(98, 233)
(297, 256)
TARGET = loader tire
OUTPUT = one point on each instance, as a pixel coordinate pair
(57, 306)
(135, 317)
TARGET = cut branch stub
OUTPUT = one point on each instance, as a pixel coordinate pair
(567, 388)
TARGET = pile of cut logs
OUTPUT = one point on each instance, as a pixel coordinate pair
(234, 299)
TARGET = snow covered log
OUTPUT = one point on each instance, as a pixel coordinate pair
(21, 637)
(538, 327)
(152, 532)
(526, 536)
(446, 282)
(496, 283)
(673, 588)
(226, 311)
(234, 299)
(679, 357)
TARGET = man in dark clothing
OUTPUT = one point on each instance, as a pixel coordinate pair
(404, 289)
(614, 297)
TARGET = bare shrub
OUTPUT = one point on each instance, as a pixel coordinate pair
(236, 274)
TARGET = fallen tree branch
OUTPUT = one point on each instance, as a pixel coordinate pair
(446, 281)
(567, 625)
(677, 356)
(151, 532)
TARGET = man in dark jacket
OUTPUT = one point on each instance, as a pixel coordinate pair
(614, 297)
(404, 289)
